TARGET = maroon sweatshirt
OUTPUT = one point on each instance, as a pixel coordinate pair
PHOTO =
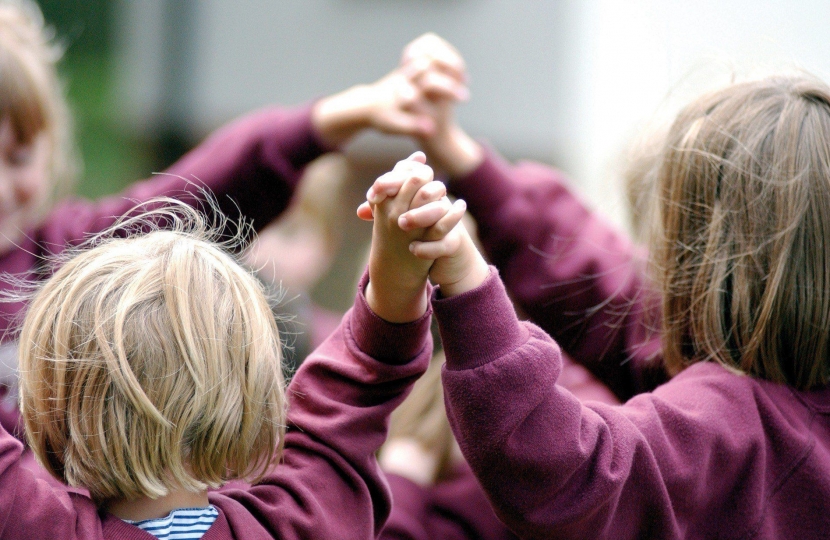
(709, 454)
(328, 484)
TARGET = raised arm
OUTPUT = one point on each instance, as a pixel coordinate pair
(329, 484)
(253, 165)
(573, 274)
(681, 462)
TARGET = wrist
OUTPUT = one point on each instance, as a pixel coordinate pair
(397, 304)
(455, 152)
(478, 272)
(337, 118)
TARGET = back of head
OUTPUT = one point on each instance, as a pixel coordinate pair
(743, 182)
(152, 362)
(31, 95)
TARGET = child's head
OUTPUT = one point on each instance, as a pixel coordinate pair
(37, 162)
(743, 222)
(152, 362)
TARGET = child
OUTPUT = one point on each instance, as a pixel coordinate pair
(251, 166)
(151, 371)
(736, 444)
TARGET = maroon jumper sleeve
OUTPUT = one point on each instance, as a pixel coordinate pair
(571, 272)
(250, 166)
(709, 454)
(329, 484)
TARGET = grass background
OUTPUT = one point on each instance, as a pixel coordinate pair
(112, 155)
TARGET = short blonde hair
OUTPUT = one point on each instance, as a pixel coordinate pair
(31, 94)
(743, 224)
(151, 362)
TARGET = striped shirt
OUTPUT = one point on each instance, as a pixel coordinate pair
(180, 524)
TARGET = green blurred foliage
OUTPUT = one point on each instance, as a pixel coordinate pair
(112, 156)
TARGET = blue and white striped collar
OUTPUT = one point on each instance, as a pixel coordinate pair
(180, 524)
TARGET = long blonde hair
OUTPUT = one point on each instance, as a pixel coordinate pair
(151, 362)
(743, 221)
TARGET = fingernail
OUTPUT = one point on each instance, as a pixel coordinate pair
(412, 248)
(402, 222)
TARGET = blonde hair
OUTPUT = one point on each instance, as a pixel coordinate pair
(31, 93)
(151, 362)
(743, 221)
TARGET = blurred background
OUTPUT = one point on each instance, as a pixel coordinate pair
(571, 83)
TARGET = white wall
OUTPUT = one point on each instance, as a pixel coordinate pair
(569, 82)
(639, 56)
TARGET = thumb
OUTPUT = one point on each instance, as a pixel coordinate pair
(414, 125)
(364, 212)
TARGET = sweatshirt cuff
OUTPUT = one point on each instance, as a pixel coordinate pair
(478, 326)
(390, 343)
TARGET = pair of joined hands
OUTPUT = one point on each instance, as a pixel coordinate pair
(417, 231)
(417, 234)
(416, 99)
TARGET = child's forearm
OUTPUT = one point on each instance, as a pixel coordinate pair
(339, 406)
(401, 305)
(252, 167)
(537, 451)
(470, 270)
(339, 117)
(453, 151)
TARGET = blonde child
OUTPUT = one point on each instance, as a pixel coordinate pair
(251, 166)
(151, 371)
(736, 443)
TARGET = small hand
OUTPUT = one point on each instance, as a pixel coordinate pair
(436, 67)
(392, 104)
(397, 279)
(457, 266)
(430, 62)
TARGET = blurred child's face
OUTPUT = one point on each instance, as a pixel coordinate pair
(24, 184)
